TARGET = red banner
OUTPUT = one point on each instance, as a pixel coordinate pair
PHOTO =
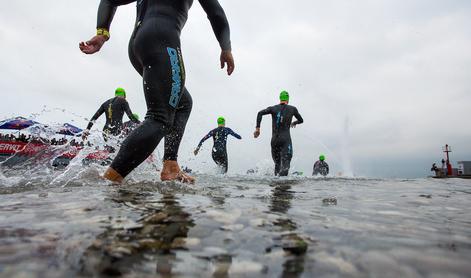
(31, 149)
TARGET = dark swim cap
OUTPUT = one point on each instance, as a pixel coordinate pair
(284, 96)
(120, 92)
(221, 121)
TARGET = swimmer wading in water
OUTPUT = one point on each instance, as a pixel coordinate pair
(114, 110)
(154, 51)
(219, 151)
(281, 146)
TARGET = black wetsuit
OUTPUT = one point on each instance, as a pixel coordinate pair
(154, 51)
(219, 152)
(114, 110)
(281, 147)
(320, 167)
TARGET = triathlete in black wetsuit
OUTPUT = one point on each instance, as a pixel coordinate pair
(320, 167)
(281, 147)
(114, 110)
(154, 50)
(219, 151)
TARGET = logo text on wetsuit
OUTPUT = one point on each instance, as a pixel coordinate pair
(176, 77)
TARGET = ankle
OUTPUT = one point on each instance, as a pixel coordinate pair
(111, 175)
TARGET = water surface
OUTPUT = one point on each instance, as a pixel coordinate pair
(73, 224)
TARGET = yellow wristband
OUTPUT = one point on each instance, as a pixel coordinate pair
(102, 32)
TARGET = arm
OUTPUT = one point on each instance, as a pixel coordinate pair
(231, 132)
(106, 11)
(206, 137)
(95, 117)
(299, 119)
(259, 120)
(220, 25)
(260, 115)
(219, 22)
(129, 113)
(202, 141)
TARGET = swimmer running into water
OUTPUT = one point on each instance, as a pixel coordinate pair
(154, 51)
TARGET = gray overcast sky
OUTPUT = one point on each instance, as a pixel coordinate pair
(381, 84)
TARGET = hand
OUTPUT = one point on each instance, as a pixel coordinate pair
(256, 133)
(93, 45)
(196, 151)
(85, 134)
(226, 58)
(293, 125)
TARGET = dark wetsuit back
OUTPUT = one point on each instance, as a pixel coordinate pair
(154, 51)
(320, 167)
(219, 151)
(281, 147)
(114, 110)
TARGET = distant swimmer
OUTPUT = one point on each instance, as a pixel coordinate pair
(155, 53)
(281, 147)
(320, 167)
(114, 110)
(219, 151)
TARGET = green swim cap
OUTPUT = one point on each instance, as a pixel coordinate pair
(284, 96)
(120, 92)
(221, 121)
(136, 116)
(321, 157)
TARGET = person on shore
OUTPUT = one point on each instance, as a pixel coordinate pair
(114, 109)
(155, 53)
(219, 151)
(281, 147)
(320, 167)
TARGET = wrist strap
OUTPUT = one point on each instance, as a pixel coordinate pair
(103, 32)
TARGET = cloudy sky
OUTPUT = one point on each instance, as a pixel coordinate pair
(382, 84)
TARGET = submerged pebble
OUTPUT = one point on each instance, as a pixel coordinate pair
(329, 201)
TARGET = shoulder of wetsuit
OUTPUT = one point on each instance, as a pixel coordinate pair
(107, 102)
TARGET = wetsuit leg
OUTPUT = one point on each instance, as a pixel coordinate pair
(276, 156)
(155, 46)
(285, 158)
(220, 157)
(174, 138)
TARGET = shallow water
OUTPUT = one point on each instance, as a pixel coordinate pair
(73, 224)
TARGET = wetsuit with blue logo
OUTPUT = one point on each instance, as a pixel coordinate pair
(154, 51)
(281, 147)
(219, 152)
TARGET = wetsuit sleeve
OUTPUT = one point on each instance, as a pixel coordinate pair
(298, 117)
(260, 115)
(219, 22)
(205, 138)
(231, 132)
(129, 113)
(106, 11)
(97, 115)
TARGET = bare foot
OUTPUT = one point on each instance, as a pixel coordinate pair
(111, 175)
(172, 172)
